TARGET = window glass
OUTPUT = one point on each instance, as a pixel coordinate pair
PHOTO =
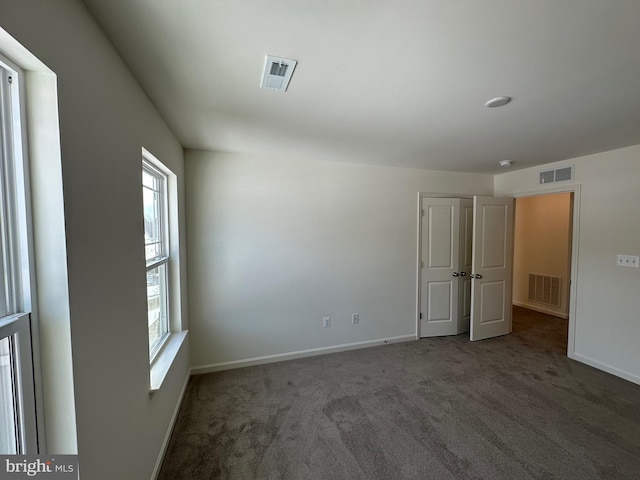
(8, 417)
(152, 201)
(157, 306)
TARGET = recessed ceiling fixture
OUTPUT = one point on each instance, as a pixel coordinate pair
(505, 163)
(497, 102)
(277, 73)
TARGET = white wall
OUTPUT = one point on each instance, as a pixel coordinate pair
(542, 241)
(105, 120)
(275, 245)
(607, 329)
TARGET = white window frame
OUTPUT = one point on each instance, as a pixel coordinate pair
(161, 260)
(18, 322)
(164, 356)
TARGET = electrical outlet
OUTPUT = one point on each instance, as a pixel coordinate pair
(326, 322)
(627, 261)
(355, 318)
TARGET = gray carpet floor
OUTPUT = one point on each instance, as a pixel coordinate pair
(513, 407)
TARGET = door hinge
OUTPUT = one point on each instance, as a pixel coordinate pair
(422, 212)
(420, 315)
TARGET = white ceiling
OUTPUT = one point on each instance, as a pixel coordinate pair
(390, 82)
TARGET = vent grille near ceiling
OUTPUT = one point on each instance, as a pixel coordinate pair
(558, 175)
(544, 289)
(277, 73)
(279, 69)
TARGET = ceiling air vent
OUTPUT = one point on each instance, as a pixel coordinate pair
(559, 175)
(277, 73)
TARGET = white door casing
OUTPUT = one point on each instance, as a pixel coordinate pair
(492, 267)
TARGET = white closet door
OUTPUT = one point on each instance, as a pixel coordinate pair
(440, 256)
(492, 267)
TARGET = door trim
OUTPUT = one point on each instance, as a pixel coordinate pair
(574, 188)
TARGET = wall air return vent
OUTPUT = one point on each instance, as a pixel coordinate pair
(559, 175)
(545, 289)
(277, 73)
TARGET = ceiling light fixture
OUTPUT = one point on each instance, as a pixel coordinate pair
(505, 163)
(497, 102)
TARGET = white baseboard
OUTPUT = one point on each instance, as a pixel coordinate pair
(607, 368)
(540, 309)
(279, 357)
(167, 436)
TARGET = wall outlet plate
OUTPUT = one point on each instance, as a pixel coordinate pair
(355, 318)
(628, 261)
(326, 322)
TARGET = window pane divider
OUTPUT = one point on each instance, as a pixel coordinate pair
(156, 262)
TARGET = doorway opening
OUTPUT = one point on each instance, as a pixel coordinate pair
(543, 238)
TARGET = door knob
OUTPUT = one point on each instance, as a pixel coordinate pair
(471, 275)
(463, 274)
(455, 274)
(478, 276)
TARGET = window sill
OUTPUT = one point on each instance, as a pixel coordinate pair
(165, 358)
